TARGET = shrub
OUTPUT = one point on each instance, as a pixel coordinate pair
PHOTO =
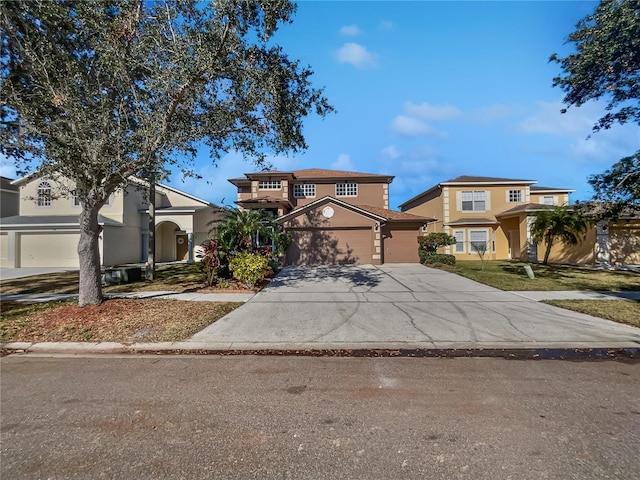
(435, 240)
(249, 268)
(430, 258)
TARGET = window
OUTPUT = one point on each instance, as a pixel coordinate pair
(548, 200)
(44, 195)
(304, 190)
(75, 200)
(459, 234)
(515, 195)
(269, 185)
(478, 239)
(346, 189)
(473, 201)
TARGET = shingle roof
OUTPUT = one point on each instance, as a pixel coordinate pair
(324, 173)
(264, 199)
(537, 188)
(393, 214)
(524, 208)
(473, 221)
(5, 184)
(475, 179)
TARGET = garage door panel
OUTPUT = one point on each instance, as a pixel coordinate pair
(325, 247)
(49, 250)
(401, 246)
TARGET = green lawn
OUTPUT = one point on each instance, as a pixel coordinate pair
(507, 275)
(621, 311)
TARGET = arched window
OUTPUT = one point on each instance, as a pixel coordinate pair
(44, 198)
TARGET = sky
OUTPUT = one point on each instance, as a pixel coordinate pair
(427, 91)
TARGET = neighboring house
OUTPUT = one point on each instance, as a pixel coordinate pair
(45, 232)
(499, 212)
(334, 217)
(495, 212)
(9, 198)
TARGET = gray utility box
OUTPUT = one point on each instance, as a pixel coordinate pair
(117, 276)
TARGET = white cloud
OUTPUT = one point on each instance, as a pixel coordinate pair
(392, 152)
(385, 25)
(548, 119)
(491, 113)
(411, 127)
(356, 55)
(350, 30)
(343, 162)
(428, 112)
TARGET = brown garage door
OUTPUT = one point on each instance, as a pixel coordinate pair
(337, 246)
(401, 246)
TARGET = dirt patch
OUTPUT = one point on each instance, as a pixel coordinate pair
(116, 320)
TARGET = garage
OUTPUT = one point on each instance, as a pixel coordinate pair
(341, 246)
(35, 249)
(401, 243)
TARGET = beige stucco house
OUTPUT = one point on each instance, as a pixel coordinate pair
(45, 231)
(334, 217)
(499, 212)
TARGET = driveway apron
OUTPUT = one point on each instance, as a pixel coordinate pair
(403, 306)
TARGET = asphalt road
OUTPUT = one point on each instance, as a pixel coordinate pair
(317, 418)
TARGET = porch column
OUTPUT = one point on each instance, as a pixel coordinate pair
(190, 246)
(532, 248)
(12, 250)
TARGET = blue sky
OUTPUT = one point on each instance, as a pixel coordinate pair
(427, 91)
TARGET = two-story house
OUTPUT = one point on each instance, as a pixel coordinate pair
(334, 217)
(45, 232)
(496, 212)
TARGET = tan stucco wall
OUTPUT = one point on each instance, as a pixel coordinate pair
(624, 244)
(584, 252)
(431, 206)
(121, 245)
(558, 198)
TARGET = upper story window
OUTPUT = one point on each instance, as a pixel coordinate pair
(44, 196)
(75, 200)
(515, 195)
(346, 189)
(269, 184)
(548, 200)
(473, 200)
(304, 190)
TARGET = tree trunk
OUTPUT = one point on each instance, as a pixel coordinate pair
(547, 252)
(90, 290)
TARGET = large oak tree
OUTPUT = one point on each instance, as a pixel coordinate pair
(99, 91)
(606, 65)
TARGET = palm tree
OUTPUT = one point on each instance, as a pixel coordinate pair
(239, 228)
(559, 223)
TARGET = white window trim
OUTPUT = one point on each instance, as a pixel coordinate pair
(455, 247)
(473, 201)
(299, 190)
(487, 240)
(552, 197)
(347, 186)
(515, 191)
(270, 185)
(44, 185)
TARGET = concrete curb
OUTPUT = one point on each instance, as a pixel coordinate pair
(524, 350)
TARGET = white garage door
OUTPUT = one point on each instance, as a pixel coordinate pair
(49, 250)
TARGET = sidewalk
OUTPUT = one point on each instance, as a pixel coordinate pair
(163, 295)
(245, 297)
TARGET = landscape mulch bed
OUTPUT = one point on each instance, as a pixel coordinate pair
(116, 320)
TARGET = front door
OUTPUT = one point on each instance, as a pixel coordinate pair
(514, 244)
(182, 247)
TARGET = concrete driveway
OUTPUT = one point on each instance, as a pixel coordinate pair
(403, 306)
(11, 273)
